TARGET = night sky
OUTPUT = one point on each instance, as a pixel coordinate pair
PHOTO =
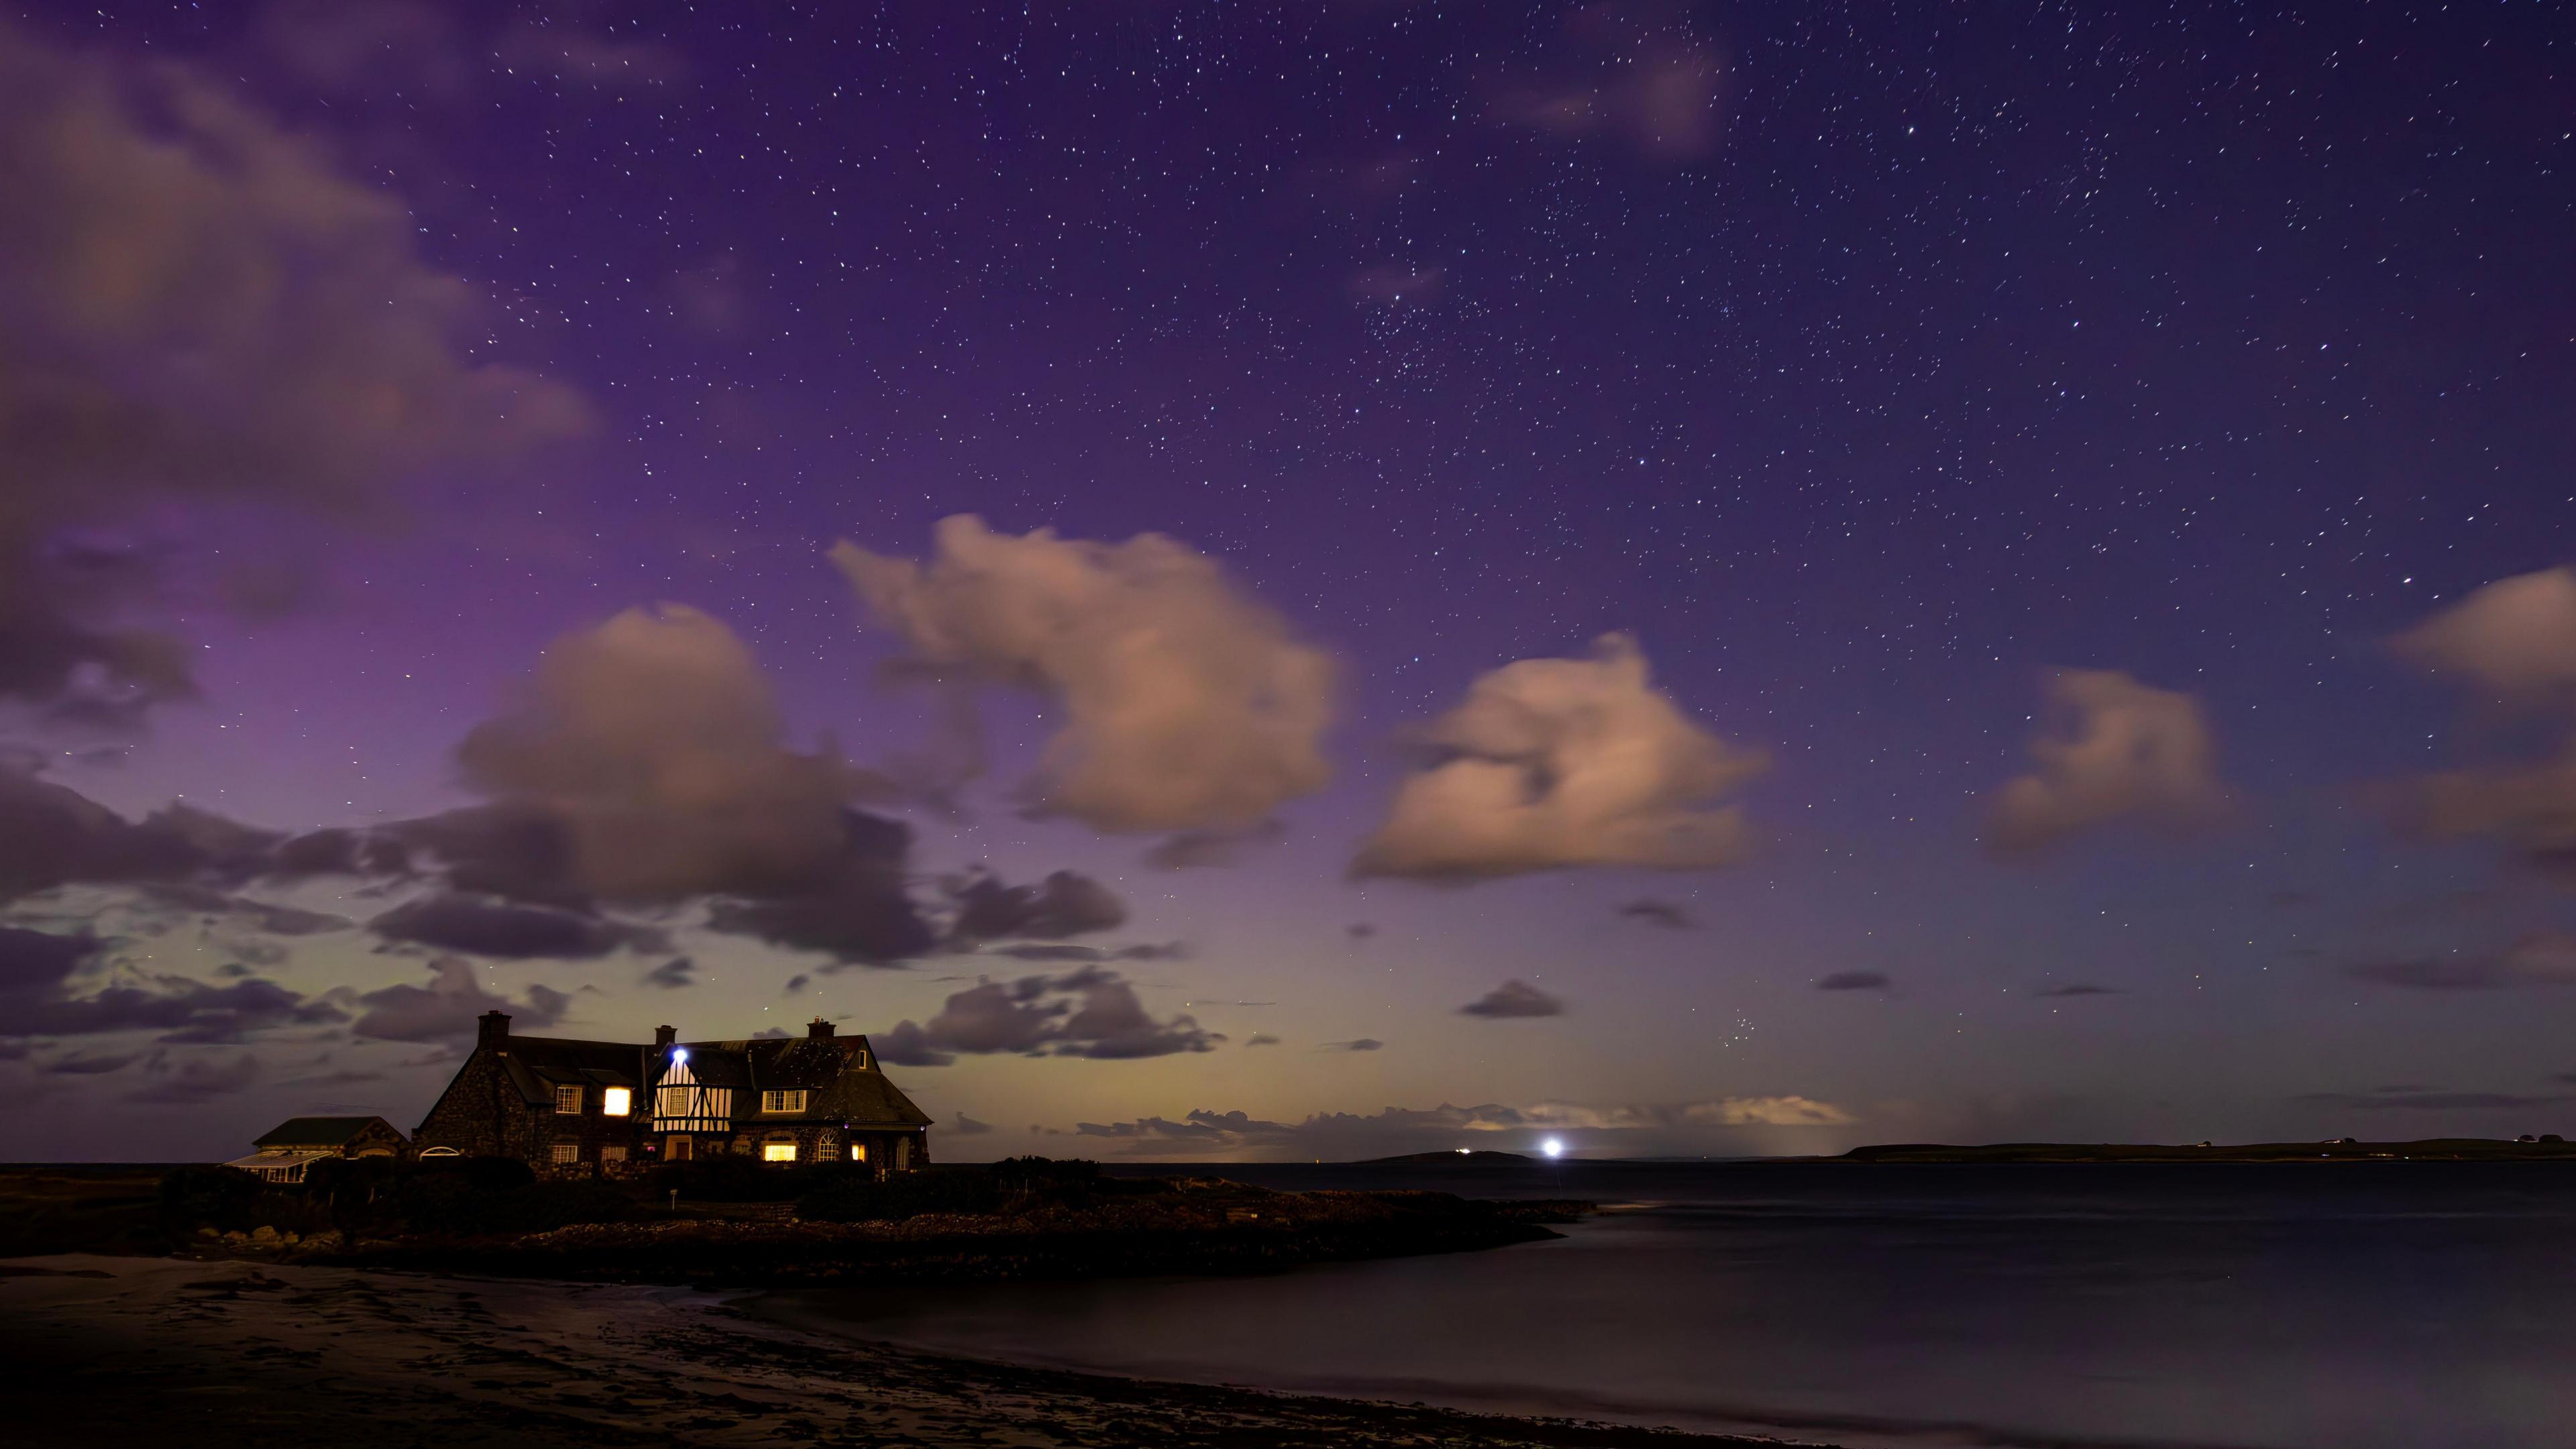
(1700, 578)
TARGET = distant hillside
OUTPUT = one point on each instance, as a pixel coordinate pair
(2433, 1149)
(1449, 1159)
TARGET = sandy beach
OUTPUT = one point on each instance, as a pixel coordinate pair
(124, 1350)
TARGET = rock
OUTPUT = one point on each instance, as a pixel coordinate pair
(263, 1236)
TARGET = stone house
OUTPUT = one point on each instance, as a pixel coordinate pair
(610, 1109)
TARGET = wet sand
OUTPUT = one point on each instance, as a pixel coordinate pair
(111, 1351)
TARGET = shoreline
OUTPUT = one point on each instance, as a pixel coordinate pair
(235, 1351)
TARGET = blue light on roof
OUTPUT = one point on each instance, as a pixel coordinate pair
(679, 1054)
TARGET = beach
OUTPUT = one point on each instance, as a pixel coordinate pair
(111, 1351)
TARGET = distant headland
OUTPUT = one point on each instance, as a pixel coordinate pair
(2549, 1147)
(1452, 1158)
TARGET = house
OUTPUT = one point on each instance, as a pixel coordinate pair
(608, 1109)
(298, 1142)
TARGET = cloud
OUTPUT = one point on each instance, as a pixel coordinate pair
(2538, 960)
(90, 1064)
(1084, 1013)
(37, 970)
(1193, 849)
(2112, 749)
(1564, 762)
(1364, 1044)
(1658, 913)
(1066, 904)
(1359, 930)
(2515, 637)
(200, 309)
(1260, 1038)
(1186, 704)
(51, 836)
(965, 1126)
(276, 920)
(657, 744)
(448, 1009)
(2075, 988)
(1143, 951)
(1854, 981)
(1631, 72)
(483, 927)
(2387, 1099)
(673, 974)
(1514, 999)
(197, 1079)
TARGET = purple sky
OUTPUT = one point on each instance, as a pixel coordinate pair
(1907, 386)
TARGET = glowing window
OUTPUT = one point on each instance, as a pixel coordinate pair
(858, 1152)
(778, 1152)
(612, 1152)
(782, 1101)
(616, 1101)
(567, 1152)
(567, 1099)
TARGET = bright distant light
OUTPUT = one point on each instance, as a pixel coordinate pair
(1462, 1152)
(1552, 1147)
(679, 1054)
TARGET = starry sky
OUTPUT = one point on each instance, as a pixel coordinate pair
(1242, 580)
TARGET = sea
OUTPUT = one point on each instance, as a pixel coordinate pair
(2388, 1305)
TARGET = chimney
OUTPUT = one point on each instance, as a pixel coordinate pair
(818, 1030)
(495, 1030)
(664, 1035)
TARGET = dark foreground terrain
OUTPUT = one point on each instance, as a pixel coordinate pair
(116, 1351)
(2434, 1149)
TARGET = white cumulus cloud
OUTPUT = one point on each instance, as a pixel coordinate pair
(1565, 762)
(2111, 748)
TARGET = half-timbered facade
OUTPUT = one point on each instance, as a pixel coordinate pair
(607, 1109)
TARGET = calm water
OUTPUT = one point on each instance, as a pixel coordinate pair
(2349, 1305)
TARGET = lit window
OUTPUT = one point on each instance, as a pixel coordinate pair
(567, 1152)
(613, 1152)
(782, 1101)
(567, 1099)
(858, 1152)
(616, 1101)
(778, 1152)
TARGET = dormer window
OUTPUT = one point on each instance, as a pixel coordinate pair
(567, 1099)
(782, 1101)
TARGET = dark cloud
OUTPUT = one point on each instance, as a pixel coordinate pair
(1554, 763)
(795, 983)
(1143, 951)
(1194, 849)
(1260, 1038)
(196, 1079)
(266, 916)
(1085, 1013)
(447, 1010)
(1854, 981)
(673, 974)
(965, 1126)
(200, 309)
(2076, 988)
(51, 836)
(37, 969)
(480, 926)
(1359, 930)
(2111, 748)
(1658, 913)
(2539, 960)
(1065, 904)
(1363, 1044)
(1186, 705)
(90, 1064)
(1511, 999)
(2394, 1100)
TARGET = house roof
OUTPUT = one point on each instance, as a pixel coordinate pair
(318, 1134)
(823, 1067)
(536, 1065)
